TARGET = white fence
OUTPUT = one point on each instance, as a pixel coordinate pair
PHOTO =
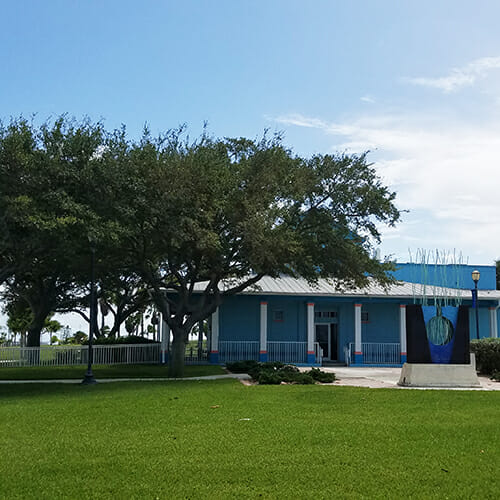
(286, 352)
(376, 353)
(238, 351)
(291, 352)
(66, 355)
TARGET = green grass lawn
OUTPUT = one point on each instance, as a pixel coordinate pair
(102, 371)
(221, 440)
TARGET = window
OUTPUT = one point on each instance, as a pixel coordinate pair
(325, 314)
(365, 318)
(278, 315)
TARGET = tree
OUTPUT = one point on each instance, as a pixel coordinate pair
(47, 190)
(208, 219)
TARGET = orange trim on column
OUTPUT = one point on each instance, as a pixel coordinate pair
(402, 305)
(310, 303)
(263, 303)
(358, 352)
(357, 305)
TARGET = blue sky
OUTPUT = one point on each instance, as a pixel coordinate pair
(417, 83)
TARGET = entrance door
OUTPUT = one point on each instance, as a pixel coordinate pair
(327, 338)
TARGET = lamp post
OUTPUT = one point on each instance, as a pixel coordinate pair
(89, 379)
(475, 278)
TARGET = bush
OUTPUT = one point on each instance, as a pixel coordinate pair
(275, 372)
(496, 376)
(242, 366)
(269, 378)
(319, 376)
(487, 353)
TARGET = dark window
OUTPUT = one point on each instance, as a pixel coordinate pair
(364, 317)
(278, 316)
(325, 314)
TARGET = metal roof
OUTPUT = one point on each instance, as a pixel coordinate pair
(287, 285)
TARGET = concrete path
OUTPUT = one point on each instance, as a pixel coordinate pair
(375, 378)
(239, 376)
(388, 378)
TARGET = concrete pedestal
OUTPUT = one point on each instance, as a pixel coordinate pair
(435, 375)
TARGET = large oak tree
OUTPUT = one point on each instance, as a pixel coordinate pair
(209, 218)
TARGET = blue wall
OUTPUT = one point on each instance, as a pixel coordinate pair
(239, 318)
(447, 275)
(383, 323)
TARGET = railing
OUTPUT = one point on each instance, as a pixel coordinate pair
(67, 355)
(238, 351)
(377, 353)
(286, 352)
(78, 355)
(196, 353)
(291, 352)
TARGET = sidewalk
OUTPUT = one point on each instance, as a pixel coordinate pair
(388, 378)
(239, 376)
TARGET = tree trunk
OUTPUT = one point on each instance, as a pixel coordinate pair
(177, 352)
(35, 329)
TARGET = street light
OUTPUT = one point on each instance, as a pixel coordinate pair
(89, 379)
(475, 278)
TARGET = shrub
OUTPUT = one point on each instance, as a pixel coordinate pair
(304, 379)
(320, 376)
(269, 378)
(487, 353)
(275, 372)
(242, 366)
(496, 376)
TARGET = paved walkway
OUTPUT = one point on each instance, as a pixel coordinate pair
(389, 377)
(375, 378)
(239, 376)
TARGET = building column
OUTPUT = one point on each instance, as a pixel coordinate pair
(214, 338)
(311, 356)
(263, 332)
(358, 353)
(165, 336)
(402, 332)
(493, 322)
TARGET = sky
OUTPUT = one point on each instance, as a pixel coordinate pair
(415, 83)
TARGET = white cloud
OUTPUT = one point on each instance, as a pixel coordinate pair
(446, 173)
(367, 98)
(459, 77)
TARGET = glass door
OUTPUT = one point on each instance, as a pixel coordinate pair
(327, 338)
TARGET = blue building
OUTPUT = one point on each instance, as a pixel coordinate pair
(289, 320)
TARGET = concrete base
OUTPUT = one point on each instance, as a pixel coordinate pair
(436, 375)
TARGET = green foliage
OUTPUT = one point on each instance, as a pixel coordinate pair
(275, 372)
(321, 376)
(487, 353)
(171, 213)
(242, 366)
(496, 375)
(130, 339)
